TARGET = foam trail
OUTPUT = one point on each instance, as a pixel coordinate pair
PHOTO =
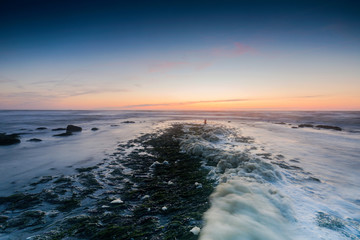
(243, 210)
(245, 205)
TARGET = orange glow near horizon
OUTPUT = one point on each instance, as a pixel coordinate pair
(114, 102)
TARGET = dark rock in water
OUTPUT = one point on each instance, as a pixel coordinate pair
(294, 127)
(44, 179)
(329, 127)
(87, 169)
(20, 201)
(114, 125)
(128, 122)
(34, 140)
(313, 179)
(63, 134)
(280, 123)
(306, 125)
(73, 128)
(3, 218)
(69, 130)
(9, 139)
(27, 219)
(329, 221)
(58, 129)
(94, 129)
(41, 128)
(68, 204)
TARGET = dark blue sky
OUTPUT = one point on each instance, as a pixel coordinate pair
(103, 25)
(72, 35)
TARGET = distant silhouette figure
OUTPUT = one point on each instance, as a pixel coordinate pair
(205, 121)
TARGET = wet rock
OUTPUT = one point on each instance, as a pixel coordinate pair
(41, 128)
(20, 200)
(329, 127)
(63, 134)
(117, 201)
(63, 179)
(114, 125)
(9, 139)
(128, 122)
(306, 126)
(89, 180)
(195, 230)
(87, 169)
(52, 213)
(34, 140)
(73, 128)
(44, 179)
(210, 137)
(27, 219)
(94, 129)
(67, 205)
(280, 123)
(49, 196)
(329, 221)
(58, 129)
(3, 218)
(77, 219)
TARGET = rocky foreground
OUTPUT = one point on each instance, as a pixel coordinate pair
(148, 189)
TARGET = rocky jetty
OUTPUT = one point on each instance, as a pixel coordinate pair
(124, 197)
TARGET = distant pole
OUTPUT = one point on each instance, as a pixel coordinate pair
(205, 121)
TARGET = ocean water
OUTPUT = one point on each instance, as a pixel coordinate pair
(273, 179)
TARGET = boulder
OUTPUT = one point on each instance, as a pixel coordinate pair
(41, 128)
(329, 127)
(65, 134)
(94, 129)
(34, 140)
(9, 139)
(73, 128)
(306, 125)
(128, 122)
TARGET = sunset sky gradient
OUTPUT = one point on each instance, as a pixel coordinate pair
(193, 55)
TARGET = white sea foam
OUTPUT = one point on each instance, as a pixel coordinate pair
(243, 210)
(256, 199)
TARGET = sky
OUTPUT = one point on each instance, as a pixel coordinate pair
(180, 55)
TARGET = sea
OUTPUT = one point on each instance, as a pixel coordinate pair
(278, 174)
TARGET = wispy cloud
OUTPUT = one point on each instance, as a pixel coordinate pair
(183, 103)
(4, 79)
(215, 101)
(237, 50)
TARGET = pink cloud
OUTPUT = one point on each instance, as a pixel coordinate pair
(238, 50)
